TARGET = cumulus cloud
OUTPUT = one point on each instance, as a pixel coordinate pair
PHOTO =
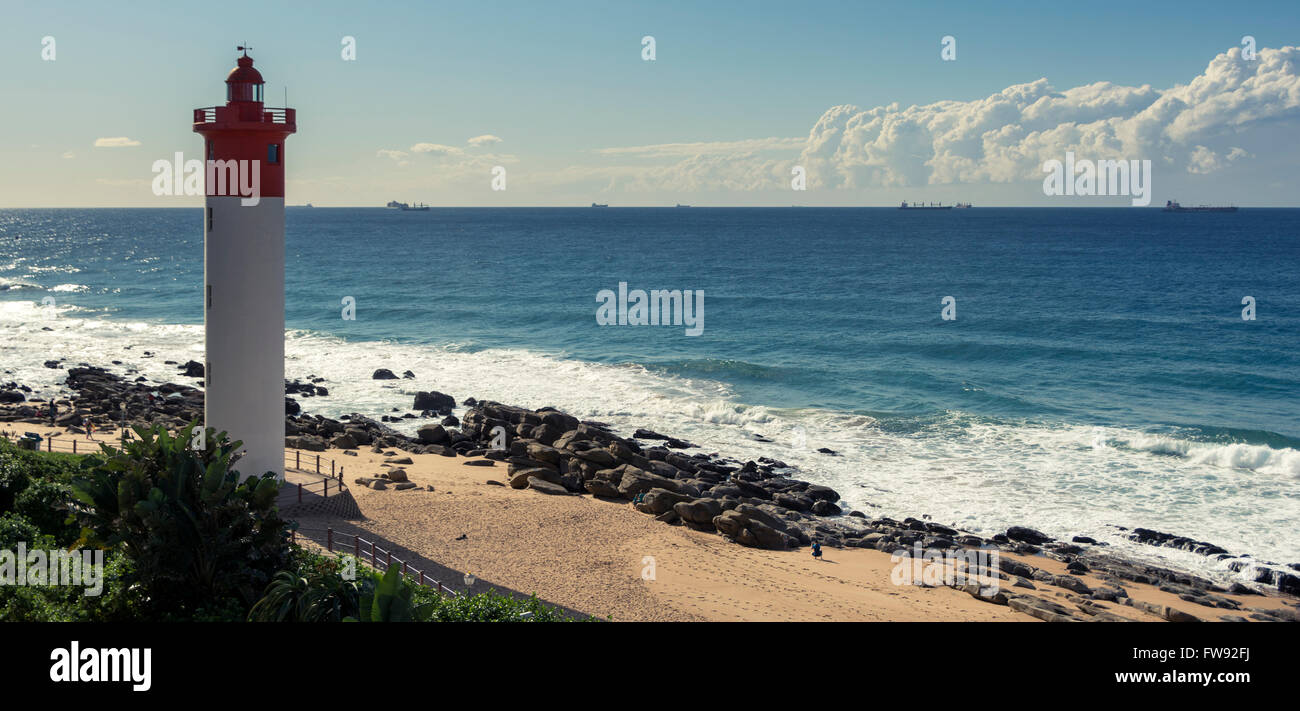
(1007, 136)
(436, 149)
(115, 142)
(486, 139)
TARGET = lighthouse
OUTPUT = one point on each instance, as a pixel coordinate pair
(243, 268)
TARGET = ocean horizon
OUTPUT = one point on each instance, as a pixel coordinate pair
(1096, 371)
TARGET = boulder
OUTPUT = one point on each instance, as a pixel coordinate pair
(1027, 535)
(432, 434)
(546, 487)
(601, 487)
(700, 511)
(658, 501)
(344, 441)
(383, 374)
(433, 400)
(638, 481)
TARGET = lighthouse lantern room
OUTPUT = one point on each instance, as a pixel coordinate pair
(243, 268)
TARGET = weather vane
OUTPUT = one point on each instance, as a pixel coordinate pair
(244, 48)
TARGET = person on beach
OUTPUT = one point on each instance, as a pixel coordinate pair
(817, 550)
(54, 411)
(90, 430)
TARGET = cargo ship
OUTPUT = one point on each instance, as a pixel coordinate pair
(598, 205)
(415, 208)
(932, 206)
(1173, 206)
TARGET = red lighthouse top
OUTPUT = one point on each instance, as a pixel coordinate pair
(244, 129)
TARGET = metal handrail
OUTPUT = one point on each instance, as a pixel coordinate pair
(292, 460)
(375, 554)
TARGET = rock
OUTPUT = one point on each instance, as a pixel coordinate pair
(8, 396)
(600, 457)
(821, 493)
(546, 487)
(397, 475)
(601, 487)
(344, 441)
(53, 364)
(1027, 535)
(310, 443)
(493, 482)
(433, 400)
(383, 374)
(667, 517)
(700, 511)
(658, 501)
(399, 460)
(378, 485)
(408, 375)
(637, 481)
(432, 434)
(479, 463)
(1073, 584)
(406, 485)
(192, 369)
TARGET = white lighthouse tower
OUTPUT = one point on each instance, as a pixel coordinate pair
(243, 268)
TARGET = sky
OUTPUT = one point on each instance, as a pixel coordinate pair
(858, 96)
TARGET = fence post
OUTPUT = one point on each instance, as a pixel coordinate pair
(74, 446)
(329, 539)
(440, 592)
(356, 546)
(403, 568)
(327, 488)
(421, 577)
(373, 563)
(389, 560)
(300, 492)
(331, 467)
(297, 460)
(318, 464)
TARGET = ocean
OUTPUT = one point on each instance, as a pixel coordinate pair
(1098, 372)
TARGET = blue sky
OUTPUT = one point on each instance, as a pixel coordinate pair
(555, 86)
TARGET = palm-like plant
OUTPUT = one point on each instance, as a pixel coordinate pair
(195, 532)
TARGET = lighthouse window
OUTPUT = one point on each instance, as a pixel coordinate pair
(273, 153)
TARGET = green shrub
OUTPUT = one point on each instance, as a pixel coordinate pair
(196, 536)
(313, 590)
(45, 504)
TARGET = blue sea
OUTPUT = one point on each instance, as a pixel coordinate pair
(1098, 371)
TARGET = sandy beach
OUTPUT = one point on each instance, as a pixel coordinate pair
(604, 558)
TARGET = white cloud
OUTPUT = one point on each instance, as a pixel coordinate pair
(1007, 136)
(69, 155)
(436, 148)
(115, 142)
(484, 140)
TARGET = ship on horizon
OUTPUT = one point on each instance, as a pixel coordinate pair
(931, 206)
(1173, 206)
(596, 204)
